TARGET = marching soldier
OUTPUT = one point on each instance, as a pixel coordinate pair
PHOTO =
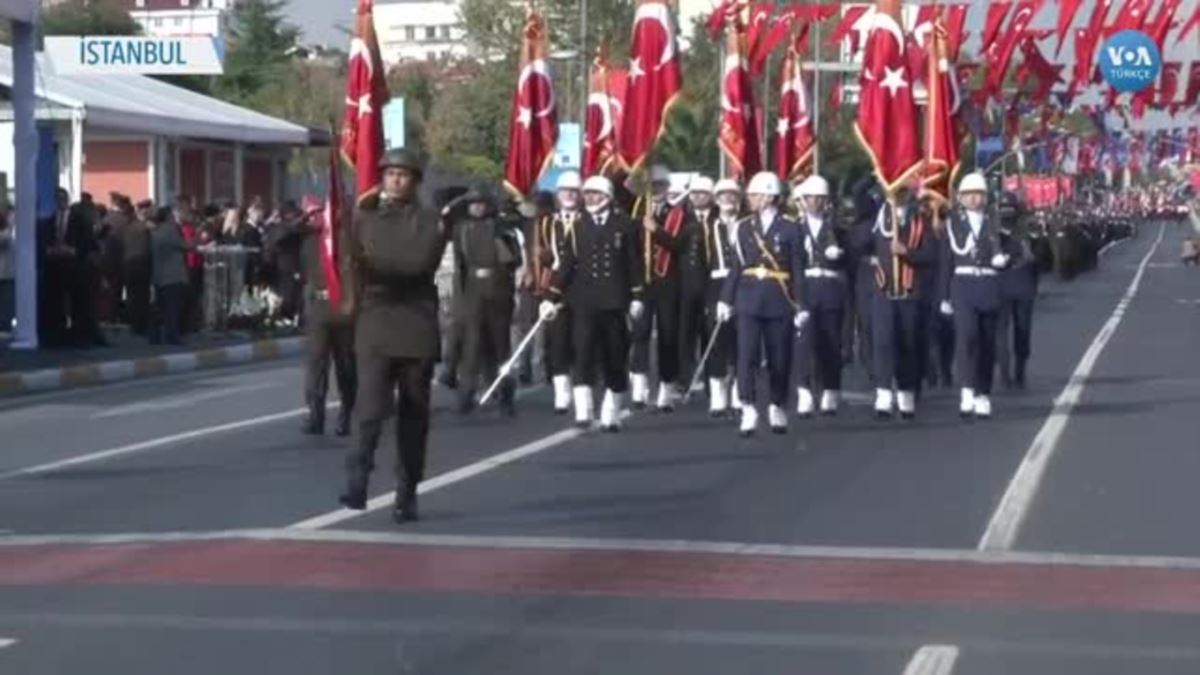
(1018, 290)
(819, 345)
(660, 223)
(330, 332)
(764, 292)
(694, 252)
(396, 247)
(719, 246)
(599, 276)
(900, 251)
(970, 289)
(487, 254)
(553, 233)
(937, 351)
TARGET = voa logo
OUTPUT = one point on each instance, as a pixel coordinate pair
(1131, 61)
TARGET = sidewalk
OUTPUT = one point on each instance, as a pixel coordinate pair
(130, 356)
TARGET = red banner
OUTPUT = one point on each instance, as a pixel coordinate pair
(654, 81)
(887, 112)
(533, 126)
(738, 138)
(366, 94)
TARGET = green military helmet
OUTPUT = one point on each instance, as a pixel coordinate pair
(403, 158)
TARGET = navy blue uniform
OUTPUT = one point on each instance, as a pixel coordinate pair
(818, 348)
(660, 272)
(599, 274)
(972, 285)
(896, 299)
(1018, 290)
(721, 258)
(938, 351)
(765, 287)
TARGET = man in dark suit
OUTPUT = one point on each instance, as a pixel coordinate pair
(395, 249)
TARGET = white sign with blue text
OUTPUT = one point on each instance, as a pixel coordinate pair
(126, 55)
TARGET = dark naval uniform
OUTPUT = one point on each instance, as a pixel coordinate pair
(819, 345)
(765, 288)
(658, 251)
(486, 254)
(972, 285)
(330, 335)
(938, 352)
(721, 259)
(396, 249)
(695, 253)
(895, 301)
(1018, 290)
(598, 275)
(552, 234)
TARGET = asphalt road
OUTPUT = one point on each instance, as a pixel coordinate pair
(183, 524)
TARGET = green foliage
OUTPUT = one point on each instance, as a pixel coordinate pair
(689, 141)
(469, 117)
(88, 17)
(494, 26)
(260, 52)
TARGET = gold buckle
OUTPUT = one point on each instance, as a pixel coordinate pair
(761, 273)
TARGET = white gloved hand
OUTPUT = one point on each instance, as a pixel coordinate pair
(945, 308)
(800, 320)
(833, 252)
(999, 261)
(636, 309)
(724, 312)
(547, 310)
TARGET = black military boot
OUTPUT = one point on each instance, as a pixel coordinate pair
(405, 508)
(345, 415)
(355, 495)
(314, 421)
(466, 402)
(508, 401)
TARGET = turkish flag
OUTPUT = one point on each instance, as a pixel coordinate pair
(604, 114)
(791, 20)
(997, 11)
(794, 138)
(1162, 23)
(366, 94)
(738, 137)
(533, 126)
(1191, 23)
(1001, 57)
(331, 227)
(720, 14)
(942, 139)
(1132, 16)
(919, 40)
(1193, 86)
(887, 113)
(1066, 16)
(654, 80)
(1168, 85)
(956, 21)
(850, 19)
(758, 20)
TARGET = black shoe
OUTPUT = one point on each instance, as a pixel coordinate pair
(883, 416)
(314, 422)
(343, 425)
(637, 406)
(448, 379)
(466, 403)
(562, 411)
(907, 416)
(508, 407)
(405, 508)
(583, 425)
(779, 431)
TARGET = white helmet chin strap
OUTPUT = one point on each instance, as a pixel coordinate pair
(595, 209)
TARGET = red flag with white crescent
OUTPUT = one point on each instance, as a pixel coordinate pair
(654, 81)
(887, 112)
(604, 113)
(1193, 86)
(942, 139)
(366, 93)
(1066, 16)
(533, 127)
(996, 13)
(738, 138)
(850, 18)
(794, 138)
(330, 231)
(1168, 85)
(1162, 22)
(1192, 23)
(1000, 57)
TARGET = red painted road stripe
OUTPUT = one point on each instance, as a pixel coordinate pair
(635, 574)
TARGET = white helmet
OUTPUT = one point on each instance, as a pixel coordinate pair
(701, 184)
(813, 186)
(568, 180)
(679, 184)
(973, 182)
(599, 184)
(764, 183)
(727, 185)
(659, 174)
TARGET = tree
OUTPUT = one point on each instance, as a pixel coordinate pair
(261, 48)
(468, 122)
(88, 17)
(494, 26)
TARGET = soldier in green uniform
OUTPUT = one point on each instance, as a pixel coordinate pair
(330, 332)
(395, 248)
(487, 254)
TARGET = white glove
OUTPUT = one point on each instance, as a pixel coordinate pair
(945, 308)
(636, 309)
(547, 310)
(800, 320)
(724, 312)
(999, 261)
(833, 252)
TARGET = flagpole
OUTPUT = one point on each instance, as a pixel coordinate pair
(584, 73)
(816, 101)
(721, 168)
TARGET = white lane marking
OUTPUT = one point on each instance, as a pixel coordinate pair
(1110, 245)
(182, 401)
(501, 542)
(933, 660)
(448, 478)
(7, 642)
(1014, 506)
(153, 443)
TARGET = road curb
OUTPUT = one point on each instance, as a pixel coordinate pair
(90, 374)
